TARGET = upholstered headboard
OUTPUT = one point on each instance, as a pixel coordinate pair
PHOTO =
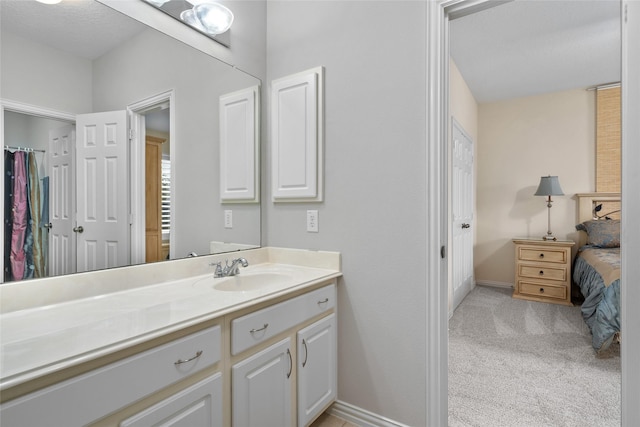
(587, 203)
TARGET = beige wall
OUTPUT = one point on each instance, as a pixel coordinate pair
(464, 109)
(519, 141)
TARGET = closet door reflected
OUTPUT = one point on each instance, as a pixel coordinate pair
(29, 207)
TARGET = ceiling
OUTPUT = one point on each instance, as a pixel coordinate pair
(60, 25)
(530, 47)
(521, 48)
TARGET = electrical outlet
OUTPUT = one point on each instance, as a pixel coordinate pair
(312, 221)
(228, 219)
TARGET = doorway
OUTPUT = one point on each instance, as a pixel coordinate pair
(438, 16)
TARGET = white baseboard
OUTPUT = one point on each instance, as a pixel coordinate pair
(359, 416)
(494, 284)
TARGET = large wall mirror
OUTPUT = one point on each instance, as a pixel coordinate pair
(79, 75)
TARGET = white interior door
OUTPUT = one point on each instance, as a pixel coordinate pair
(102, 223)
(462, 209)
(62, 241)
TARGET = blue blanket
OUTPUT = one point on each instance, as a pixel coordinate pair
(597, 272)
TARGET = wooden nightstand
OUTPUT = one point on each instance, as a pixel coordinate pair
(543, 270)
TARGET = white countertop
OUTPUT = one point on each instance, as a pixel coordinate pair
(40, 340)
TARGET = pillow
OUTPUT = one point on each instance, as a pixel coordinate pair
(602, 233)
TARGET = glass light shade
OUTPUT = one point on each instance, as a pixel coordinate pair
(189, 17)
(50, 1)
(215, 18)
(157, 3)
(549, 186)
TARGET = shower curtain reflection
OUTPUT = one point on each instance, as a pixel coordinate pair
(25, 254)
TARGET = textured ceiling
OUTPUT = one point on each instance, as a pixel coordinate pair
(530, 47)
(84, 28)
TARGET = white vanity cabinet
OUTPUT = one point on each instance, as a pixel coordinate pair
(278, 385)
(198, 405)
(317, 368)
(83, 399)
(261, 390)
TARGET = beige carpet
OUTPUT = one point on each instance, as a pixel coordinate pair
(520, 363)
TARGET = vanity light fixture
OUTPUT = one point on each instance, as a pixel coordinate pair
(214, 18)
(206, 16)
(549, 186)
(157, 3)
(49, 1)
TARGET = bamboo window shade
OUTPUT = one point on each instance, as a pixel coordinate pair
(608, 143)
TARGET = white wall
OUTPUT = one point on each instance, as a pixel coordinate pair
(375, 193)
(38, 75)
(519, 141)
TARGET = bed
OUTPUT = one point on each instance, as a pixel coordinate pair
(596, 268)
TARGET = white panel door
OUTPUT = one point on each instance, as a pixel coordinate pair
(238, 146)
(261, 388)
(102, 190)
(462, 208)
(296, 136)
(61, 170)
(317, 368)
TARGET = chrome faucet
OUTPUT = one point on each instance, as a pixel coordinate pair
(230, 270)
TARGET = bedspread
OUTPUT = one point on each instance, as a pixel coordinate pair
(597, 273)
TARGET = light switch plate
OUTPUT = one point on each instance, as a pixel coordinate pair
(312, 221)
(228, 218)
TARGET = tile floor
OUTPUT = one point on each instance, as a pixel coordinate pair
(326, 420)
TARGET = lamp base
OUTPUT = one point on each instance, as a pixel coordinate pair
(549, 237)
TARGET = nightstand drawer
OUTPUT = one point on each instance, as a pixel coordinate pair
(547, 273)
(544, 255)
(544, 290)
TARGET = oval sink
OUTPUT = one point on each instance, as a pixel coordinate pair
(250, 282)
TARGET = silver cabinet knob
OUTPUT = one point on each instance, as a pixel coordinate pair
(465, 225)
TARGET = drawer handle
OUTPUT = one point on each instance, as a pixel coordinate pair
(326, 300)
(541, 255)
(290, 363)
(181, 361)
(306, 352)
(542, 272)
(266, 325)
(542, 290)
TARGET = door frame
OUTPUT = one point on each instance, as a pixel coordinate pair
(137, 170)
(438, 14)
(31, 110)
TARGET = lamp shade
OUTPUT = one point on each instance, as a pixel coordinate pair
(549, 186)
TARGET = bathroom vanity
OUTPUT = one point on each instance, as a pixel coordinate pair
(249, 350)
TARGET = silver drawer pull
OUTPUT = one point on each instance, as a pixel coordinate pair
(266, 325)
(326, 300)
(181, 361)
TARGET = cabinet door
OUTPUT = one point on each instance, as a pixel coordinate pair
(317, 368)
(261, 385)
(195, 406)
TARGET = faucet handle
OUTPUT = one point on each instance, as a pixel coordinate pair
(218, 272)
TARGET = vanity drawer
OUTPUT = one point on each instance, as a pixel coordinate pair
(90, 396)
(548, 273)
(543, 290)
(257, 327)
(544, 255)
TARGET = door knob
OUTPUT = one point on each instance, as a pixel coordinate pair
(78, 229)
(465, 225)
